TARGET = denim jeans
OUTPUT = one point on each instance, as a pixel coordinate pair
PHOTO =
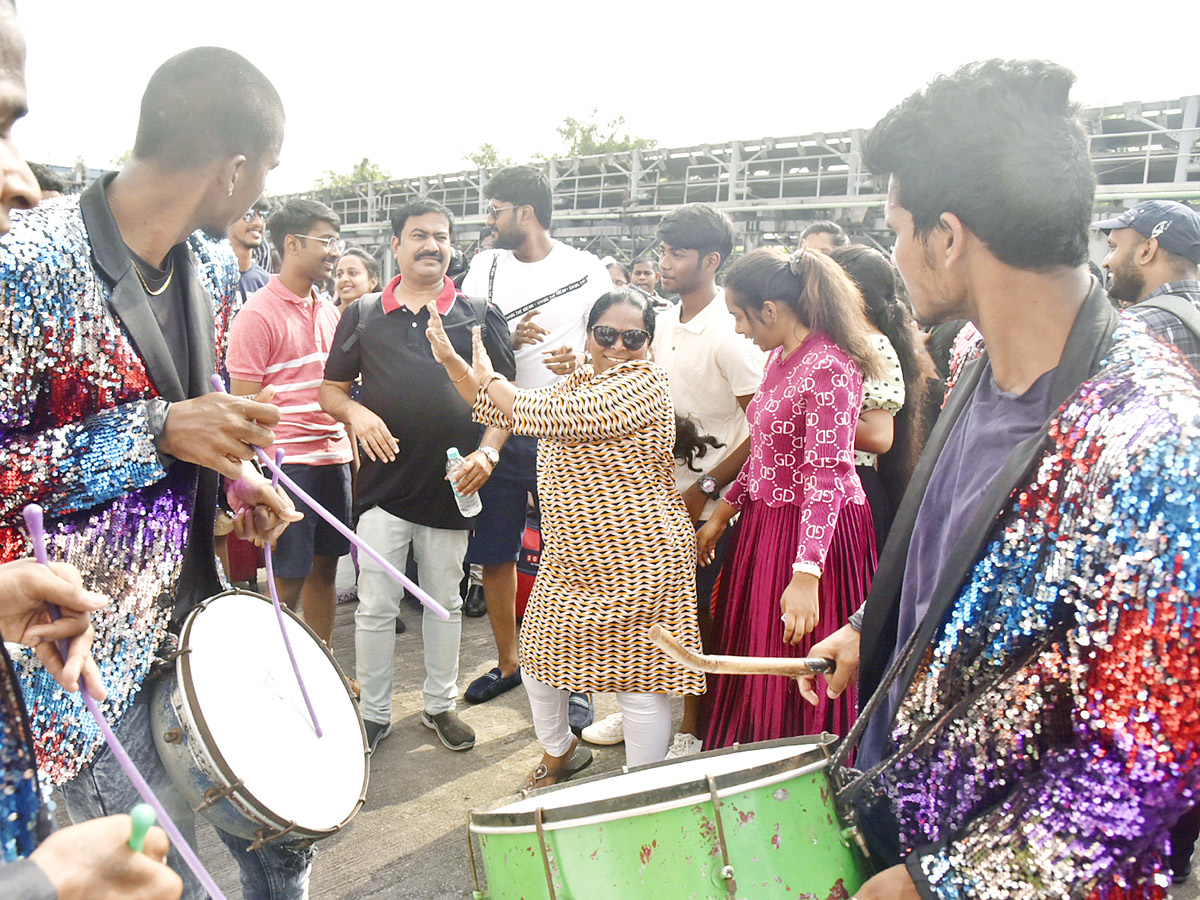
(439, 555)
(103, 789)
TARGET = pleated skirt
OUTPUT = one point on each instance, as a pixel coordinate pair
(747, 708)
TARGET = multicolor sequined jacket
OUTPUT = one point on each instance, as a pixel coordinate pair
(81, 356)
(1051, 721)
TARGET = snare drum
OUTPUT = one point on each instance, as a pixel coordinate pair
(756, 821)
(234, 733)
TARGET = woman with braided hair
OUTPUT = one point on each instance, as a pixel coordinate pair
(804, 551)
(894, 420)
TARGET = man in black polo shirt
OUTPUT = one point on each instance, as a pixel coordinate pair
(409, 416)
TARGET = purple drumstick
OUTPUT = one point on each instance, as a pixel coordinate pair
(37, 534)
(341, 528)
(279, 615)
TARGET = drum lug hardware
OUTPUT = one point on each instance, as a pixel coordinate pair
(478, 894)
(265, 837)
(215, 794)
(173, 735)
(727, 869)
(541, 836)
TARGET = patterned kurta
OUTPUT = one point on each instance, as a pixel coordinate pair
(802, 423)
(619, 552)
(885, 392)
(75, 437)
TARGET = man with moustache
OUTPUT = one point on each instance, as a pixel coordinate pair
(409, 416)
(1153, 255)
(113, 309)
(544, 289)
(281, 339)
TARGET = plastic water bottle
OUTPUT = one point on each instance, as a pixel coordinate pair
(470, 505)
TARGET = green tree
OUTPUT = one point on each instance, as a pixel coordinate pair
(487, 157)
(588, 137)
(118, 162)
(363, 171)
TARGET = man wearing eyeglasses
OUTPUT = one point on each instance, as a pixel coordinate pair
(246, 235)
(281, 339)
(544, 288)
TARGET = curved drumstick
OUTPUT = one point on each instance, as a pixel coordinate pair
(430, 604)
(268, 559)
(37, 534)
(736, 665)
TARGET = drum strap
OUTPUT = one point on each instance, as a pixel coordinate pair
(849, 783)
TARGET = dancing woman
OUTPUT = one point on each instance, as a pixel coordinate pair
(805, 547)
(618, 553)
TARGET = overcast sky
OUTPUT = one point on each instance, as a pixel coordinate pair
(414, 86)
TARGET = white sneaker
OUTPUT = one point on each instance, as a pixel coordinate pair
(609, 730)
(684, 745)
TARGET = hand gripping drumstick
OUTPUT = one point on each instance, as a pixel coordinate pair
(37, 534)
(431, 604)
(268, 558)
(736, 665)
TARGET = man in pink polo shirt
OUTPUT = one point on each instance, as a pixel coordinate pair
(282, 338)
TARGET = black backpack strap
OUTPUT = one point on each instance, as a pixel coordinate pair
(1179, 307)
(369, 306)
(479, 306)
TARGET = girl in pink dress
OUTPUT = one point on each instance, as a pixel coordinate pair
(804, 548)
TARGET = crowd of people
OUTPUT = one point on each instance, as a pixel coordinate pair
(751, 451)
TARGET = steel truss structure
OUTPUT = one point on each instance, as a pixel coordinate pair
(771, 187)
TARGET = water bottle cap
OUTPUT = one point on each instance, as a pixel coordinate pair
(452, 453)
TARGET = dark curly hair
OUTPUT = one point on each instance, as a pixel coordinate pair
(997, 144)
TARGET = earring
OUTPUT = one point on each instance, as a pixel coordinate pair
(231, 190)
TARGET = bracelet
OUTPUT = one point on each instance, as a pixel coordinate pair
(495, 376)
(464, 375)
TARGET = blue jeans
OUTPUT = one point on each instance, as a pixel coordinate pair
(103, 789)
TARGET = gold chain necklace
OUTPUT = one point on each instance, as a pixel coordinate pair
(146, 285)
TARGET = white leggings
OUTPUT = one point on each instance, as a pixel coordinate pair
(647, 720)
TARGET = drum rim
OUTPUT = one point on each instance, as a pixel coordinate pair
(659, 799)
(208, 744)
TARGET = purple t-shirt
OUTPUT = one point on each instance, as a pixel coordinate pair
(991, 424)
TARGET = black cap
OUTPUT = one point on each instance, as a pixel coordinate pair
(1177, 227)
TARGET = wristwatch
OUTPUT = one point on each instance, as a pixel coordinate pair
(492, 454)
(709, 488)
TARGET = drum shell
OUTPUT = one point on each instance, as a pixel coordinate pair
(195, 765)
(781, 831)
(195, 773)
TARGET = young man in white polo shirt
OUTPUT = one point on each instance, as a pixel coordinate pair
(714, 371)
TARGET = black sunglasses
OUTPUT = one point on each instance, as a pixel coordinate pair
(633, 339)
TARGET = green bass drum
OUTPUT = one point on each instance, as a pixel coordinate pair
(748, 822)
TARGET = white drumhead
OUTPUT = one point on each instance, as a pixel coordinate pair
(251, 705)
(682, 771)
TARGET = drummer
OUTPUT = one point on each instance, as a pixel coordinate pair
(1036, 726)
(37, 863)
(112, 307)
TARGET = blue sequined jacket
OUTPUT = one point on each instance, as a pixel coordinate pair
(1051, 722)
(80, 358)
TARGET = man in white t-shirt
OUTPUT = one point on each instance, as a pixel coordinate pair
(714, 371)
(544, 290)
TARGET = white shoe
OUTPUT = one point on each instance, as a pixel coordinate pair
(609, 730)
(684, 745)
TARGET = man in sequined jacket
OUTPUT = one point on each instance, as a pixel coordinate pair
(1029, 644)
(113, 305)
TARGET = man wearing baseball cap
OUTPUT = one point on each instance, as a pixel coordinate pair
(1153, 252)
